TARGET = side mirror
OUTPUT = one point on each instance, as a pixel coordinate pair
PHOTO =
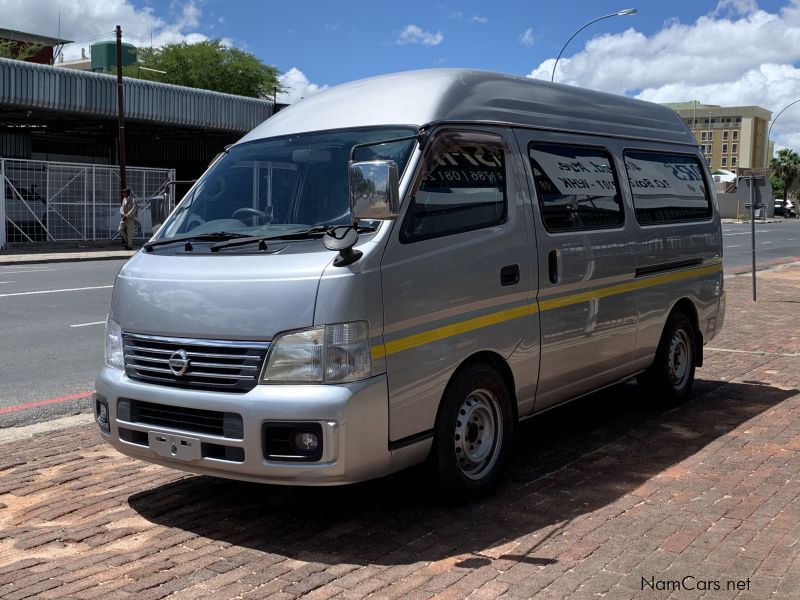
(374, 190)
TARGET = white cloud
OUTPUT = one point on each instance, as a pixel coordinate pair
(81, 19)
(479, 19)
(415, 35)
(526, 37)
(735, 7)
(745, 57)
(297, 86)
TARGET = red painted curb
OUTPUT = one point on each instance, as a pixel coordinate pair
(18, 407)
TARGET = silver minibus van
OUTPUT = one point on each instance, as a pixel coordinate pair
(402, 268)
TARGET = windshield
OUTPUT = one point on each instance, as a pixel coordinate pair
(279, 185)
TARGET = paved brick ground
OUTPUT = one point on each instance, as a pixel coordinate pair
(602, 495)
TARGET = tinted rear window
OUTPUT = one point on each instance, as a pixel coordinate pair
(667, 188)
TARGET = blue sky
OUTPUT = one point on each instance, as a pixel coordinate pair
(727, 52)
(333, 42)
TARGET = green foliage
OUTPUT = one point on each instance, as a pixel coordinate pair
(786, 168)
(777, 186)
(22, 52)
(208, 65)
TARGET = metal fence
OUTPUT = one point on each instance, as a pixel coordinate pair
(45, 201)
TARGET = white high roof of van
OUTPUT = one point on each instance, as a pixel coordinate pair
(462, 95)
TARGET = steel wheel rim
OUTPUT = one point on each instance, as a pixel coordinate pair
(478, 434)
(679, 357)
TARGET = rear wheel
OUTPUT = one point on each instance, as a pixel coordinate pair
(671, 375)
(473, 432)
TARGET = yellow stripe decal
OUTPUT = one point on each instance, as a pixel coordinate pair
(440, 333)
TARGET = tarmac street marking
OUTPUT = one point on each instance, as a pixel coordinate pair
(734, 246)
(96, 287)
(15, 271)
(86, 324)
(18, 407)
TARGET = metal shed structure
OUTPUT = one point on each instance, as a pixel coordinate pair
(51, 116)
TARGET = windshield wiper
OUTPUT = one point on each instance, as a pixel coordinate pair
(258, 239)
(214, 236)
(292, 235)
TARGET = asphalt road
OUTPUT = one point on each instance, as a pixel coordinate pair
(775, 243)
(51, 337)
(51, 322)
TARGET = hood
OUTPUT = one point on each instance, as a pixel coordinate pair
(235, 297)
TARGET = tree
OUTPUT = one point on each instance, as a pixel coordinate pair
(786, 168)
(17, 50)
(777, 186)
(208, 65)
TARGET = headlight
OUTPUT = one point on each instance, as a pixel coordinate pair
(327, 354)
(114, 356)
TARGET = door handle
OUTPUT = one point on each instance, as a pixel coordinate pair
(509, 275)
(552, 263)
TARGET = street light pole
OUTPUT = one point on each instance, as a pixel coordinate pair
(621, 13)
(769, 130)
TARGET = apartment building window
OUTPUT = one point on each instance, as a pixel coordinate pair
(735, 134)
(710, 135)
(724, 148)
(725, 136)
(702, 136)
(738, 119)
(724, 161)
(734, 148)
(733, 161)
(705, 121)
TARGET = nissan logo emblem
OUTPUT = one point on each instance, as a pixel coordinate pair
(179, 362)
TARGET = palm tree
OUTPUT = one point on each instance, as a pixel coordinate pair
(786, 167)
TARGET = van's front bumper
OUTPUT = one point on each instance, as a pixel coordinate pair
(354, 420)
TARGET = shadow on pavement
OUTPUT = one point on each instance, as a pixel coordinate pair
(568, 462)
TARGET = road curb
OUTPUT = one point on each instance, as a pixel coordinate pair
(14, 434)
(33, 260)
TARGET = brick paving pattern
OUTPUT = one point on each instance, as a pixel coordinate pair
(601, 496)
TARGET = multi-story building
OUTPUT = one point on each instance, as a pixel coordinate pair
(730, 137)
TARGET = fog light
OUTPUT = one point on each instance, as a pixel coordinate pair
(101, 412)
(305, 442)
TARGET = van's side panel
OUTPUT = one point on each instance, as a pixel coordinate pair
(587, 337)
(444, 302)
(675, 261)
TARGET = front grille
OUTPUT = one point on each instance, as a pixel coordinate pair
(217, 365)
(192, 420)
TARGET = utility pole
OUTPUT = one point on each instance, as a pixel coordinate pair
(120, 113)
(751, 180)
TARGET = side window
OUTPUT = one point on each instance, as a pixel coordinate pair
(576, 186)
(667, 187)
(462, 187)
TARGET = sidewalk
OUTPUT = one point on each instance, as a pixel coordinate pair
(30, 256)
(605, 497)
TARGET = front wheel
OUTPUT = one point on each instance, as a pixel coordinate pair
(671, 375)
(473, 433)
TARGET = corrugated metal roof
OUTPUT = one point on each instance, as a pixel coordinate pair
(30, 38)
(41, 87)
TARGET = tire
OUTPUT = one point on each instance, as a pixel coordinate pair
(671, 376)
(473, 433)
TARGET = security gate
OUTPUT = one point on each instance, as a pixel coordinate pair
(45, 201)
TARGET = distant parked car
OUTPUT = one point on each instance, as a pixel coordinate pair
(789, 211)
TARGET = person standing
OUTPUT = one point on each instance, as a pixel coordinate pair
(128, 211)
